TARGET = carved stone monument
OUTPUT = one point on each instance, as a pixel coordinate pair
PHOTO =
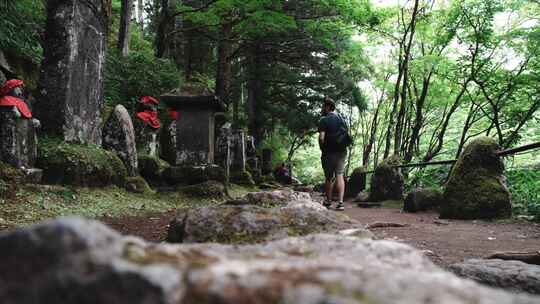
(72, 71)
(195, 130)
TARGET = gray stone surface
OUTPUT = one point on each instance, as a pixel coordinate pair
(512, 275)
(167, 141)
(223, 147)
(238, 150)
(147, 139)
(18, 139)
(423, 200)
(191, 175)
(119, 136)
(81, 261)
(272, 198)
(255, 223)
(71, 79)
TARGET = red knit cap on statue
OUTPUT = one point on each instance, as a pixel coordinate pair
(10, 85)
(10, 101)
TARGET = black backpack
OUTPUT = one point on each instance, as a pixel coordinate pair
(343, 138)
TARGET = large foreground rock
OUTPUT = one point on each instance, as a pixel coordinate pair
(512, 275)
(476, 188)
(72, 71)
(254, 224)
(83, 262)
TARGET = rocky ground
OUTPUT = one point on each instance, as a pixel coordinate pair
(443, 241)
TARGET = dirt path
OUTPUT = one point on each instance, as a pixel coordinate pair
(450, 241)
(445, 242)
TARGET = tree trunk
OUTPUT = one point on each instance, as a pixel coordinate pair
(224, 70)
(255, 92)
(124, 31)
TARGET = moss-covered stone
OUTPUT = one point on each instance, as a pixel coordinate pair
(476, 188)
(387, 183)
(209, 189)
(137, 184)
(241, 178)
(79, 165)
(252, 224)
(356, 183)
(194, 175)
(10, 180)
(423, 200)
(152, 168)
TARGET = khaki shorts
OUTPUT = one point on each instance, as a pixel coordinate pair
(333, 164)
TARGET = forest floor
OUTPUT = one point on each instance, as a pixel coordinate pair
(443, 241)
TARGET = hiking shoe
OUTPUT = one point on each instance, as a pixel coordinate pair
(327, 204)
(340, 206)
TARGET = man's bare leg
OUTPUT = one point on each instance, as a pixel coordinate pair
(329, 189)
(340, 185)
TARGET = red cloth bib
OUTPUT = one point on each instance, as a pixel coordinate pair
(150, 118)
(10, 101)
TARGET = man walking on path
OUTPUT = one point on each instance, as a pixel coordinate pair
(333, 156)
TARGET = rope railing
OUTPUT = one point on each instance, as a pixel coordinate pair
(502, 153)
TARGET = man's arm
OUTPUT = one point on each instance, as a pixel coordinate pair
(321, 139)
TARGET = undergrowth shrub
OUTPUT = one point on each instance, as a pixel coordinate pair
(524, 185)
(139, 74)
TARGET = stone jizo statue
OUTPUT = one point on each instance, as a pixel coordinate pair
(18, 140)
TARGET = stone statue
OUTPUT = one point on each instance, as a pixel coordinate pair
(147, 126)
(18, 140)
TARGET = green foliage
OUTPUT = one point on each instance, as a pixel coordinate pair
(139, 74)
(524, 184)
(21, 23)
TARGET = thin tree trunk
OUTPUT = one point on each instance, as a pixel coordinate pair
(124, 30)
(224, 68)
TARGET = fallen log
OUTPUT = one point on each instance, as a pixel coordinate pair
(386, 225)
(526, 257)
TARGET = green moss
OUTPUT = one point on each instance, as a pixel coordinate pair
(137, 184)
(34, 203)
(151, 168)
(476, 189)
(209, 189)
(242, 178)
(10, 180)
(80, 165)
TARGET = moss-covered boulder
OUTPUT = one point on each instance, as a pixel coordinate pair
(476, 188)
(253, 224)
(209, 189)
(79, 165)
(356, 182)
(10, 180)
(241, 178)
(387, 182)
(194, 175)
(423, 200)
(152, 168)
(137, 184)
